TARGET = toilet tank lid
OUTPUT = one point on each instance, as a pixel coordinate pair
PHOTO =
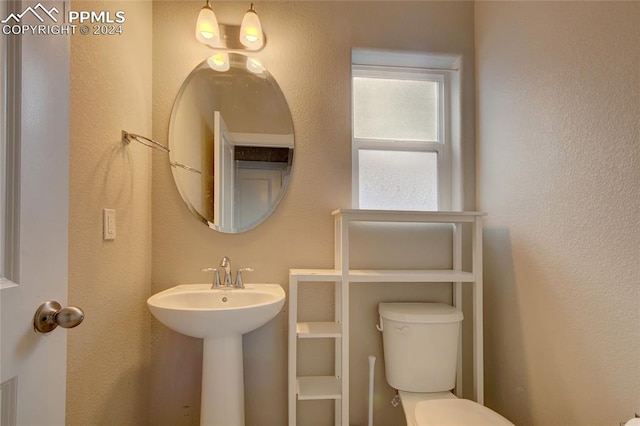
(426, 313)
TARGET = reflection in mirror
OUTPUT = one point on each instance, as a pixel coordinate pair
(231, 141)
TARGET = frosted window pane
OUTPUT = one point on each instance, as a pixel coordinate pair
(398, 180)
(395, 109)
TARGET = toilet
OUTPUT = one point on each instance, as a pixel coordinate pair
(420, 343)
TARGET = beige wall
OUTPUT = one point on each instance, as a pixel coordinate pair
(108, 356)
(308, 53)
(559, 173)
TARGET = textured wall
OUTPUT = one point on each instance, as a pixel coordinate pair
(559, 173)
(309, 54)
(108, 356)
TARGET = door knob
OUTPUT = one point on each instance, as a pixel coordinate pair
(50, 315)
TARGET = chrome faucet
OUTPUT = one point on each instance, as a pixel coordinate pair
(226, 264)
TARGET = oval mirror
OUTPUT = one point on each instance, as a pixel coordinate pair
(231, 142)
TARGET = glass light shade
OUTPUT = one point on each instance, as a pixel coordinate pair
(207, 30)
(251, 30)
(219, 61)
(254, 66)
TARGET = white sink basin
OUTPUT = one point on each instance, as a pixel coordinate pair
(220, 317)
(197, 310)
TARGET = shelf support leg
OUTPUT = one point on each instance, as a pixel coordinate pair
(341, 263)
(478, 346)
(293, 341)
(344, 287)
(457, 299)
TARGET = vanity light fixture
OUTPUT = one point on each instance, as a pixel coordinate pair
(251, 30)
(207, 28)
(208, 31)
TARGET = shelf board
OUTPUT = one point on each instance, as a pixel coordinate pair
(318, 330)
(410, 276)
(321, 275)
(386, 275)
(356, 215)
(318, 387)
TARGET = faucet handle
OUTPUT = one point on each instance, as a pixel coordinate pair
(216, 277)
(239, 283)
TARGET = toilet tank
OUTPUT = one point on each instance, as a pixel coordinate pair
(420, 343)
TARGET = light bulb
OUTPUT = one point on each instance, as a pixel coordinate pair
(207, 30)
(254, 66)
(219, 61)
(251, 30)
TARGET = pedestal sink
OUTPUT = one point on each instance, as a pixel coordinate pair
(220, 317)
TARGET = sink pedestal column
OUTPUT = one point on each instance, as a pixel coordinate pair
(222, 382)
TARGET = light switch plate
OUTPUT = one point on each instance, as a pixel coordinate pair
(109, 224)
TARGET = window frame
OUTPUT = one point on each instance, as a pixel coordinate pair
(442, 147)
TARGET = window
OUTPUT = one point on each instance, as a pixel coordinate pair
(401, 139)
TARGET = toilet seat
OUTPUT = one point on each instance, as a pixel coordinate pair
(456, 412)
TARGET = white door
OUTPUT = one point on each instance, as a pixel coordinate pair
(33, 365)
(223, 174)
(256, 191)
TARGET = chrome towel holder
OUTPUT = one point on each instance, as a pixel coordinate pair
(127, 137)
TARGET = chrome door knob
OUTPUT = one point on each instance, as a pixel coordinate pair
(50, 315)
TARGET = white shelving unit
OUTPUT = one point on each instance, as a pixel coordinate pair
(336, 387)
